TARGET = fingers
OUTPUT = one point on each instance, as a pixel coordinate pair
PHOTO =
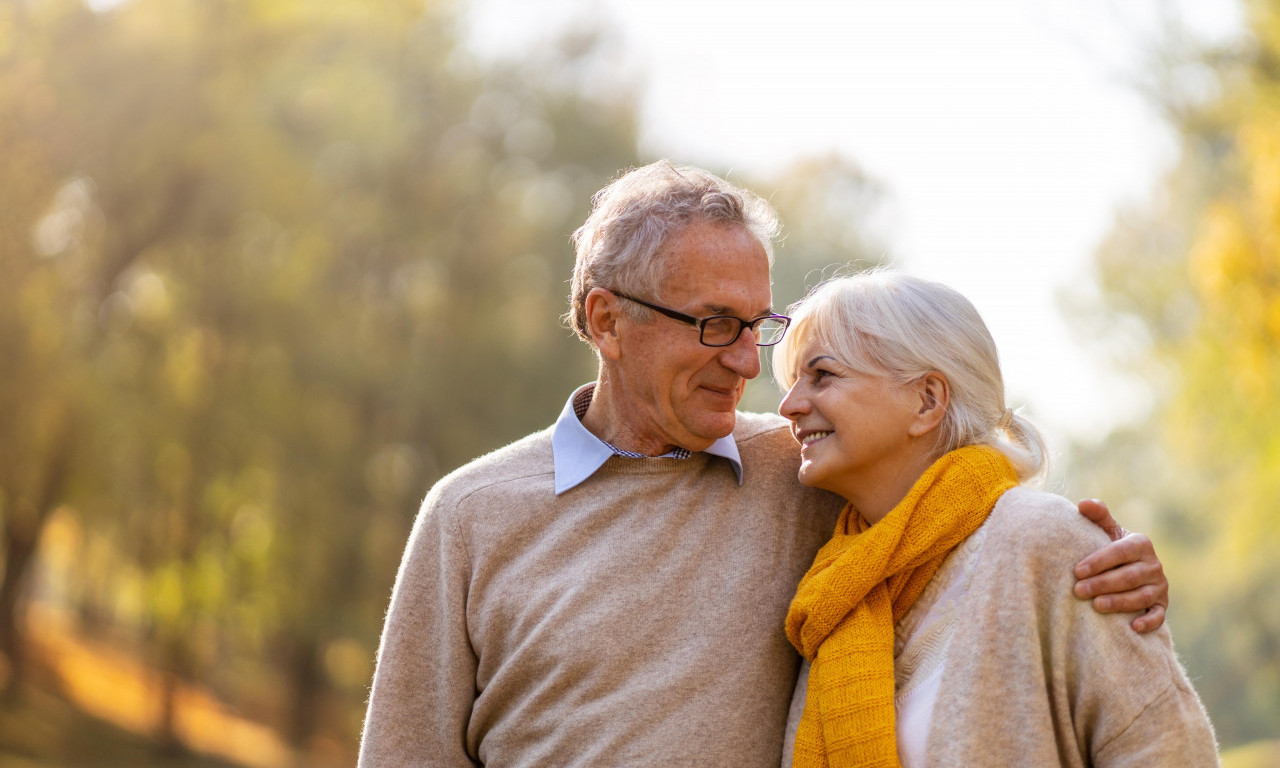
(1149, 621)
(1131, 601)
(1113, 587)
(1096, 511)
(1136, 586)
(1124, 576)
(1133, 547)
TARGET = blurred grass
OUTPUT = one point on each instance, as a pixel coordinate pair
(88, 702)
(1259, 754)
(42, 729)
(113, 685)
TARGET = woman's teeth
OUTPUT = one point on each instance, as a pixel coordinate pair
(813, 437)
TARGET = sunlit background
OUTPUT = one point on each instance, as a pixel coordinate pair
(269, 268)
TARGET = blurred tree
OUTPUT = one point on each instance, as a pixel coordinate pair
(48, 225)
(268, 268)
(830, 212)
(1191, 296)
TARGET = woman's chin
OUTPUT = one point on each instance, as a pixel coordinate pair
(810, 477)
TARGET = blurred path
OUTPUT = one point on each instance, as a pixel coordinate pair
(113, 686)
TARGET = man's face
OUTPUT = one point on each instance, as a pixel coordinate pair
(682, 392)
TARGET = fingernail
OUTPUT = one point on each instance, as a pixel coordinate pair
(1103, 603)
(1082, 589)
(1083, 571)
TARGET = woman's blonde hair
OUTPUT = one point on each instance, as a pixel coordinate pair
(885, 323)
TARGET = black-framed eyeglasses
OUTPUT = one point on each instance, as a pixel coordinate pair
(723, 330)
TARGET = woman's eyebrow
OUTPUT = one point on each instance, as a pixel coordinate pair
(817, 359)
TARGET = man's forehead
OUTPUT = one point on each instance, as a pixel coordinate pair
(720, 292)
(720, 268)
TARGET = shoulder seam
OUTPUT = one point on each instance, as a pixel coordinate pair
(1169, 687)
(462, 544)
(456, 523)
(495, 483)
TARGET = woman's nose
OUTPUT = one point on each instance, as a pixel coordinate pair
(795, 404)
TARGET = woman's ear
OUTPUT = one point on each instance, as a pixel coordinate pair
(934, 392)
(602, 322)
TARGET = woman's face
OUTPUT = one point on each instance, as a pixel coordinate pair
(853, 428)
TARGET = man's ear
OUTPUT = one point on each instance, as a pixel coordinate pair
(934, 392)
(602, 322)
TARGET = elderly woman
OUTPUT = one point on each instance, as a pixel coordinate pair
(938, 623)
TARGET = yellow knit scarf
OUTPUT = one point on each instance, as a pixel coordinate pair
(861, 583)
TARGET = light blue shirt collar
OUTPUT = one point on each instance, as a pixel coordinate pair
(577, 453)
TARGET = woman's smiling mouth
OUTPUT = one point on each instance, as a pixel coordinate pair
(813, 437)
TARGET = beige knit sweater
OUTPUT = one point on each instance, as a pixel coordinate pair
(635, 620)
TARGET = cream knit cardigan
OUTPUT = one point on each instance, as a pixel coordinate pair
(1036, 677)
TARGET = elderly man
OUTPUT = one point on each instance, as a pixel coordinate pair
(611, 590)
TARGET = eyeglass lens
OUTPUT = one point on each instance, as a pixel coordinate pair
(722, 331)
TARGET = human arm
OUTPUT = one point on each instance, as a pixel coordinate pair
(424, 684)
(1081, 682)
(1124, 576)
(1173, 728)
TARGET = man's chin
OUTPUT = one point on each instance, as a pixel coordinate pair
(719, 426)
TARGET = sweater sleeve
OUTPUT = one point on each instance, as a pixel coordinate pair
(1128, 698)
(1037, 677)
(424, 685)
(1171, 730)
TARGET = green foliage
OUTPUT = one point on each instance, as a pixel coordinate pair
(267, 270)
(1197, 277)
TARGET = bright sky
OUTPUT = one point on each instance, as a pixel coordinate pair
(1005, 131)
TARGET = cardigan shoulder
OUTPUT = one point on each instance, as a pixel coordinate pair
(1088, 689)
(1044, 527)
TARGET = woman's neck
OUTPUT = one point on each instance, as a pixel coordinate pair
(874, 498)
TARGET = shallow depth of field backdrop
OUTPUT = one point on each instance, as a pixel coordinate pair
(269, 268)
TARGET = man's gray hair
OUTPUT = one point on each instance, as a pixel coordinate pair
(620, 245)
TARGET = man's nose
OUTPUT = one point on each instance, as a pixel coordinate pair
(743, 356)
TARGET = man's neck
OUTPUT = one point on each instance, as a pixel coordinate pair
(608, 420)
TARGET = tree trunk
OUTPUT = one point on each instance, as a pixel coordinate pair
(177, 664)
(306, 680)
(22, 530)
(22, 533)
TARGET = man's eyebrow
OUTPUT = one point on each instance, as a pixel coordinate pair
(720, 309)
